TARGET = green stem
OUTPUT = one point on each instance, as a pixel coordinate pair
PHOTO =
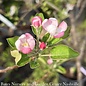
(37, 34)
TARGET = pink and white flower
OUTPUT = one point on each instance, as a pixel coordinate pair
(51, 26)
(36, 21)
(25, 43)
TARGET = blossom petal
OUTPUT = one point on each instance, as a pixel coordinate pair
(30, 40)
(22, 36)
(27, 35)
(50, 25)
(54, 21)
(18, 43)
(45, 23)
(59, 35)
(31, 43)
(25, 50)
(51, 29)
(63, 26)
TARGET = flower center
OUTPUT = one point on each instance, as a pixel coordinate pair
(25, 44)
(58, 31)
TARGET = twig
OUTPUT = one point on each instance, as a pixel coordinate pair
(7, 22)
(81, 10)
(43, 77)
(78, 3)
(73, 30)
(8, 69)
(78, 63)
(52, 5)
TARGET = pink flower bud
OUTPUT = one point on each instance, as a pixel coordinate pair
(49, 61)
(25, 43)
(51, 26)
(42, 45)
(36, 21)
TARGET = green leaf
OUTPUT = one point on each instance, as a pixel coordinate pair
(63, 52)
(42, 60)
(45, 37)
(34, 64)
(39, 30)
(45, 51)
(67, 32)
(25, 59)
(11, 41)
(34, 30)
(61, 70)
(54, 41)
(40, 15)
(17, 55)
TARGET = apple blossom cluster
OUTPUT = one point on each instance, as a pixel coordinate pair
(26, 43)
